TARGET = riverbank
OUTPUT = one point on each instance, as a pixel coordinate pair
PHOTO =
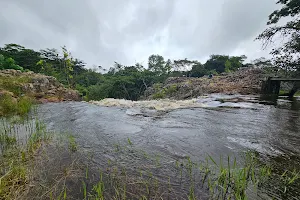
(244, 81)
(20, 90)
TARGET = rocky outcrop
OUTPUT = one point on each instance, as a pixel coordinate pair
(41, 87)
(244, 81)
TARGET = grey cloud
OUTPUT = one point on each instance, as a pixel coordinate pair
(101, 32)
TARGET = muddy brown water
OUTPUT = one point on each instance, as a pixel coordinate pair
(271, 130)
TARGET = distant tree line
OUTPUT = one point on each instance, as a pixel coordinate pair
(119, 81)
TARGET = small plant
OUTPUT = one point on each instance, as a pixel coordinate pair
(129, 141)
(84, 190)
(72, 143)
(159, 95)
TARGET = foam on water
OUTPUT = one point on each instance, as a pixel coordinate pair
(162, 105)
(211, 101)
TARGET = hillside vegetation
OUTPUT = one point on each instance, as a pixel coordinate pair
(19, 90)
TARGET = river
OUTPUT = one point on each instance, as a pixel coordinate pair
(271, 130)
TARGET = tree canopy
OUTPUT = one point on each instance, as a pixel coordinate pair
(288, 55)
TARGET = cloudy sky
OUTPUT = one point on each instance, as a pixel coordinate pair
(128, 31)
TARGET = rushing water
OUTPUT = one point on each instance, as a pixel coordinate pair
(200, 127)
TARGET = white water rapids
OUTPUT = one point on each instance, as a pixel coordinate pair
(211, 101)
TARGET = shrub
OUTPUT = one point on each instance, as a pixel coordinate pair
(13, 84)
(10, 105)
(159, 95)
(24, 105)
(171, 89)
(98, 92)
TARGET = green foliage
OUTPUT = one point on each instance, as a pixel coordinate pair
(171, 89)
(8, 63)
(216, 62)
(198, 70)
(98, 92)
(7, 105)
(156, 63)
(24, 105)
(27, 58)
(72, 143)
(287, 56)
(13, 84)
(16, 156)
(159, 95)
(164, 92)
(11, 106)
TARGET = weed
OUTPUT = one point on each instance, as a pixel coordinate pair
(11, 106)
(129, 142)
(14, 84)
(84, 190)
(72, 143)
(14, 162)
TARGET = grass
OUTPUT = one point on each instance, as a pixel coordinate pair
(14, 84)
(224, 179)
(15, 157)
(10, 106)
(164, 92)
(284, 92)
(13, 100)
(72, 143)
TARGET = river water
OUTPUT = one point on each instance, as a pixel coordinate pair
(214, 128)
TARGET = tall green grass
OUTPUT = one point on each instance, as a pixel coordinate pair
(17, 150)
(10, 106)
(13, 100)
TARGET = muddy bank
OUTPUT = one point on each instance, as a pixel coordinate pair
(245, 81)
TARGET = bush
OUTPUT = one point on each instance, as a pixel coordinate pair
(24, 105)
(159, 95)
(171, 89)
(82, 90)
(10, 105)
(98, 92)
(13, 84)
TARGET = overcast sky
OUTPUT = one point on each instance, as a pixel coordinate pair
(128, 31)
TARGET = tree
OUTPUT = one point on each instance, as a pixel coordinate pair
(184, 64)
(8, 63)
(2, 59)
(156, 63)
(217, 63)
(27, 58)
(288, 55)
(68, 66)
(198, 70)
(234, 63)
